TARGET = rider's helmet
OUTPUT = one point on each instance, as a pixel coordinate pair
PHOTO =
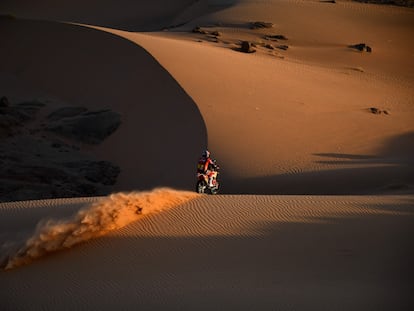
(206, 154)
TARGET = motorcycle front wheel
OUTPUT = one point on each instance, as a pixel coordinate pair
(201, 186)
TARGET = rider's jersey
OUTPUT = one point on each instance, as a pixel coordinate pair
(205, 164)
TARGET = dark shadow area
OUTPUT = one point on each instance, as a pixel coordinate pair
(406, 3)
(345, 156)
(162, 131)
(390, 171)
(371, 180)
(142, 15)
(19, 223)
(360, 262)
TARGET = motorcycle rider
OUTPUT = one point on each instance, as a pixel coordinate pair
(207, 166)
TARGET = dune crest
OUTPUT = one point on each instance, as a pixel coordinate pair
(95, 220)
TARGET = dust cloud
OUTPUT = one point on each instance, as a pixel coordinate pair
(108, 214)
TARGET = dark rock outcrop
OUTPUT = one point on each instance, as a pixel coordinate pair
(406, 3)
(275, 37)
(198, 29)
(259, 25)
(375, 110)
(247, 47)
(102, 172)
(13, 117)
(35, 164)
(282, 47)
(4, 102)
(66, 112)
(90, 127)
(361, 47)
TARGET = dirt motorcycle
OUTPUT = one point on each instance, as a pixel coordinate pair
(203, 186)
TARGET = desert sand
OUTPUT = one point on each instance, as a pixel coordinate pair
(106, 107)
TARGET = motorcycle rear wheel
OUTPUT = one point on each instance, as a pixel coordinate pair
(214, 190)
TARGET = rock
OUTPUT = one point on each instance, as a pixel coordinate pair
(269, 46)
(4, 102)
(246, 47)
(14, 117)
(30, 108)
(275, 37)
(22, 177)
(102, 172)
(283, 47)
(361, 47)
(406, 3)
(34, 164)
(89, 127)
(66, 112)
(375, 110)
(258, 25)
(198, 29)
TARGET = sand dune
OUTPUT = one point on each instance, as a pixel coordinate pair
(288, 114)
(70, 65)
(303, 113)
(277, 121)
(243, 252)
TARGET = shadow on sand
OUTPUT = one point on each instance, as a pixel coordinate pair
(142, 15)
(162, 131)
(390, 171)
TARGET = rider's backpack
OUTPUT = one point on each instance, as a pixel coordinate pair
(201, 165)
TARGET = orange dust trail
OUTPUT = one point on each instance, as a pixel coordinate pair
(108, 214)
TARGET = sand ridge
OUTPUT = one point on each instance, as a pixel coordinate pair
(127, 86)
(289, 122)
(241, 251)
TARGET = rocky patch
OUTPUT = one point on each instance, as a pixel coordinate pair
(406, 3)
(13, 117)
(282, 47)
(375, 110)
(260, 25)
(41, 153)
(90, 127)
(199, 30)
(275, 37)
